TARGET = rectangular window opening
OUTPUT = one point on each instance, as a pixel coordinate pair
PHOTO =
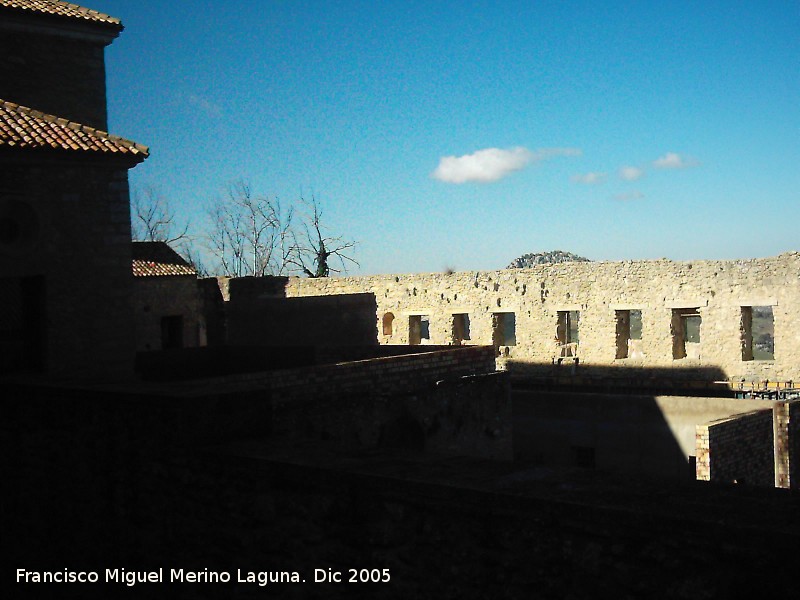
(419, 329)
(504, 329)
(758, 333)
(567, 332)
(171, 332)
(685, 333)
(460, 328)
(629, 333)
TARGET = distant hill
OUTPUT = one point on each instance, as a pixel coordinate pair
(543, 258)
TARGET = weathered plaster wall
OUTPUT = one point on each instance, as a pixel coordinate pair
(718, 289)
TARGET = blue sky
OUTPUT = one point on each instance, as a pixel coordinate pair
(464, 134)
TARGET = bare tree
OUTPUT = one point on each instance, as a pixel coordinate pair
(250, 234)
(153, 219)
(313, 251)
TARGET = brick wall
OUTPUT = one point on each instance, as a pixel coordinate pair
(739, 449)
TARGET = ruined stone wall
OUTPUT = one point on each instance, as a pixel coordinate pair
(737, 450)
(74, 236)
(157, 297)
(660, 289)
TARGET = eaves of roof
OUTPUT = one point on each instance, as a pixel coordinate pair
(29, 130)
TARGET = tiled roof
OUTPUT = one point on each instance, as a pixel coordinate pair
(61, 9)
(23, 127)
(157, 259)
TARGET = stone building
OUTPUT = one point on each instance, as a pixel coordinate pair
(65, 258)
(731, 320)
(166, 299)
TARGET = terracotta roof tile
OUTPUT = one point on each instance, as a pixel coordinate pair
(144, 268)
(61, 9)
(23, 127)
(157, 259)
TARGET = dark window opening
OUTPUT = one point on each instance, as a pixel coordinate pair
(171, 332)
(22, 324)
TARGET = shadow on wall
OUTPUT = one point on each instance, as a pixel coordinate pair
(337, 320)
(603, 419)
(221, 361)
(604, 432)
(571, 373)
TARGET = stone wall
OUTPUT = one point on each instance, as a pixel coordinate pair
(643, 436)
(255, 316)
(155, 298)
(75, 241)
(600, 296)
(56, 72)
(447, 401)
(739, 449)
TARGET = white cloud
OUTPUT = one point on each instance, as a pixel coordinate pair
(492, 164)
(673, 160)
(629, 173)
(632, 195)
(205, 105)
(589, 178)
